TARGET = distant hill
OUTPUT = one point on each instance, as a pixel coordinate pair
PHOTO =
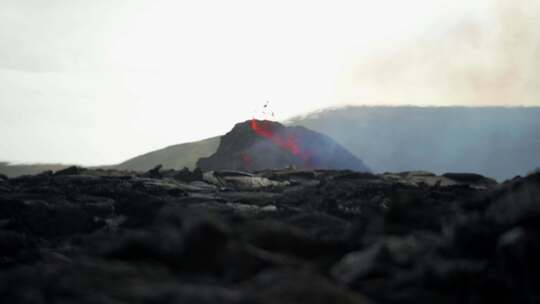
(172, 157)
(500, 142)
(263, 144)
(12, 170)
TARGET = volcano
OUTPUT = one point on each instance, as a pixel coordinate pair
(263, 144)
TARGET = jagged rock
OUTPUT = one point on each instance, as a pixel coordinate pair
(47, 173)
(198, 247)
(351, 175)
(96, 282)
(162, 186)
(357, 265)
(290, 174)
(186, 175)
(417, 173)
(244, 182)
(154, 172)
(233, 173)
(290, 287)
(240, 180)
(517, 252)
(288, 239)
(16, 248)
(321, 226)
(383, 258)
(73, 170)
(282, 236)
(49, 219)
(517, 202)
(4, 186)
(471, 179)
(419, 178)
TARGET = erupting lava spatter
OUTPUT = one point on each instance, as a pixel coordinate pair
(289, 142)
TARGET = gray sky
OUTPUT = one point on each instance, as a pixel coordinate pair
(96, 82)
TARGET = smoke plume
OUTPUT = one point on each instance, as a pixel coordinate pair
(490, 59)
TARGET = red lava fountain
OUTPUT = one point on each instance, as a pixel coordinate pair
(288, 142)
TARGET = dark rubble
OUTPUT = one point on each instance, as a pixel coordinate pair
(274, 236)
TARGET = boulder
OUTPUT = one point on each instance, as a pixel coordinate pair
(185, 175)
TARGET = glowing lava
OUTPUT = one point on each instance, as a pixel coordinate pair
(289, 142)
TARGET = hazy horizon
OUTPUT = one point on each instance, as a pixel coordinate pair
(98, 82)
(330, 130)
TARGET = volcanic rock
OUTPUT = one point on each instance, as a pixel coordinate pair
(275, 236)
(471, 178)
(186, 175)
(240, 180)
(257, 145)
(73, 170)
(154, 172)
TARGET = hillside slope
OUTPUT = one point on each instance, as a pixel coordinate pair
(14, 170)
(172, 157)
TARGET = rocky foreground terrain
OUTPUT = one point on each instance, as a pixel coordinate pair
(288, 236)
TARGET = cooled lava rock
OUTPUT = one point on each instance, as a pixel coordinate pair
(257, 145)
(274, 236)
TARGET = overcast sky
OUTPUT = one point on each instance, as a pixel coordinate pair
(97, 82)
